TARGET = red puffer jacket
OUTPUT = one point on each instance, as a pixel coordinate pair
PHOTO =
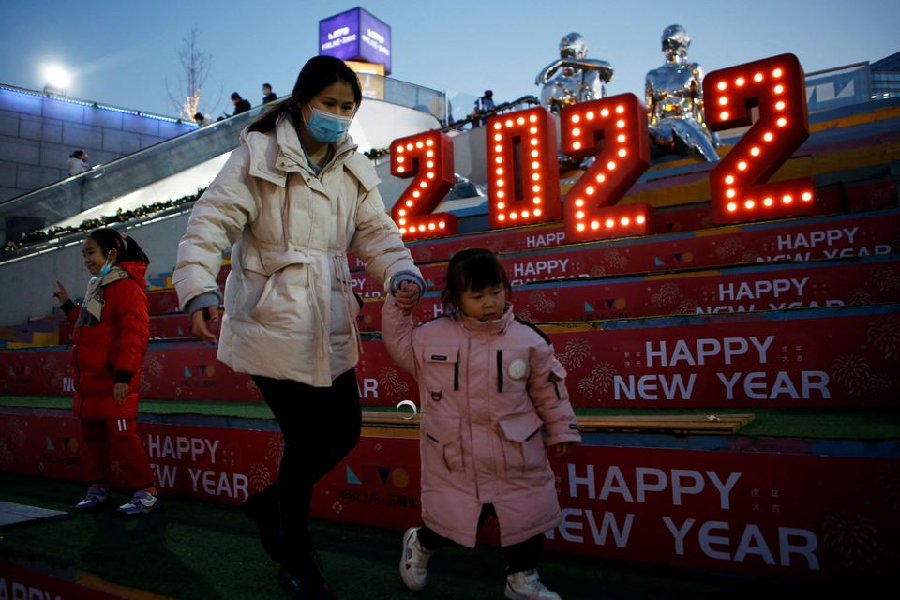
(113, 349)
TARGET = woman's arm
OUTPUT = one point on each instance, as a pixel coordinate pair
(216, 221)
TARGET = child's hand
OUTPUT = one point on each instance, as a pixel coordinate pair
(561, 449)
(199, 326)
(407, 296)
(61, 293)
(120, 391)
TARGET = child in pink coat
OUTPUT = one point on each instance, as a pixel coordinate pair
(493, 399)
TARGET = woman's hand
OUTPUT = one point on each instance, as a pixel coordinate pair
(561, 449)
(201, 320)
(407, 296)
(61, 293)
(120, 391)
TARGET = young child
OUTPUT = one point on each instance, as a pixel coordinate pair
(488, 383)
(111, 332)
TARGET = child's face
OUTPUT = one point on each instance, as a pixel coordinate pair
(485, 304)
(92, 255)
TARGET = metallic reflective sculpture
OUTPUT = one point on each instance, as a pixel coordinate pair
(573, 77)
(675, 101)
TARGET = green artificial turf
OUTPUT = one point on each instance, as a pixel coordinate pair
(191, 549)
(870, 425)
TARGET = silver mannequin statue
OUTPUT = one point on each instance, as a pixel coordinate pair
(573, 77)
(675, 101)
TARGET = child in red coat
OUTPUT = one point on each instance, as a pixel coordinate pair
(111, 332)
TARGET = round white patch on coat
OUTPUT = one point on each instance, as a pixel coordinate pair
(517, 369)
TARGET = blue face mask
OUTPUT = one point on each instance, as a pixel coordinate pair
(105, 269)
(327, 127)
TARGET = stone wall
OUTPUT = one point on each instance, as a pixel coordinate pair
(38, 133)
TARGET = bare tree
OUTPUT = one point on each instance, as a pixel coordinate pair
(195, 67)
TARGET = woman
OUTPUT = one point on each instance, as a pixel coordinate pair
(290, 202)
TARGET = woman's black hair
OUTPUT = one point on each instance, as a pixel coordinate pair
(318, 73)
(471, 269)
(77, 154)
(127, 249)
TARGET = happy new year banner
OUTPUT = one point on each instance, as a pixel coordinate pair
(758, 513)
(824, 358)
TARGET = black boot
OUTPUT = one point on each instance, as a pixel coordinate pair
(304, 579)
(262, 509)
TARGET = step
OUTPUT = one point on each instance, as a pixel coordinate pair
(798, 240)
(622, 496)
(769, 286)
(764, 286)
(850, 198)
(807, 358)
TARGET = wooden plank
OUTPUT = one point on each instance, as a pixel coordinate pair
(682, 424)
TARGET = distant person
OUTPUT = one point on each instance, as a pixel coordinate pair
(295, 331)
(482, 105)
(109, 340)
(493, 398)
(201, 119)
(77, 162)
(240, 104)
(268, 94)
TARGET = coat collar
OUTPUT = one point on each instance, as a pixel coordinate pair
(272, 157)
(495, 327)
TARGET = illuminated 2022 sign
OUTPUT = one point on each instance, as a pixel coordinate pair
(523, 168)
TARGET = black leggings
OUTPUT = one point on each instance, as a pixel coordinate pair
(320, 426)
(520, 557)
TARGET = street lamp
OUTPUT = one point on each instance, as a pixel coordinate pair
(57, 80)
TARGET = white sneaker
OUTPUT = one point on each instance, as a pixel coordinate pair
(140, 504)
(525, 585)
(93, 499)
(414, 561)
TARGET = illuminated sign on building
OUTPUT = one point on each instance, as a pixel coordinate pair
(356, 35)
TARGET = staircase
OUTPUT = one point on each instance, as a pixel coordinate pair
(738, 385)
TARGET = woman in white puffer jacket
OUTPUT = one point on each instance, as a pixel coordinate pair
(290, 203)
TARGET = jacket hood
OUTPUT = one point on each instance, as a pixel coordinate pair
(136, 270)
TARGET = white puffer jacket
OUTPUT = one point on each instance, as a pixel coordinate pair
(289, 309)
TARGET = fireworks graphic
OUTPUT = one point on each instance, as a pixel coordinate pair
(852, 371)
(852, 536)
(859, 297)
(666, 295)
(688, 306)
(880, 387)
(614, 259)
(885, 335)
(6, 455)
(729, 248)
(274, 448)
(598, 271)
(885, 279)
(600, 381)
(540, 303)
(390, 381)
(259, 477)
(577, 350)
(16, 434)
(524, 314)
(152, 365)
(749, 256)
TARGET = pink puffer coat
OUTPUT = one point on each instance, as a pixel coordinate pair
(486, 391)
